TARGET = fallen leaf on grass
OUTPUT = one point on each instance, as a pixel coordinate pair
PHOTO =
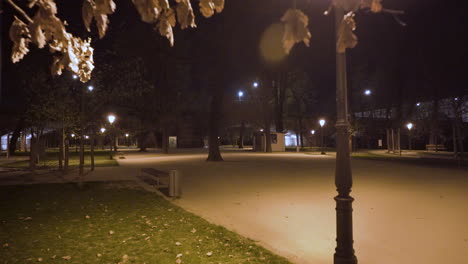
(179, 255)
(87, 217)
(193, 230)
(39, 259)
(178, 261)
(66, 257)
(209, 254)
(98, 255)
(178, 243)
(5, 245)
(111, 232)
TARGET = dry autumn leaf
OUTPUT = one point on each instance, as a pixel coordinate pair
(295, 28)
(346, 37)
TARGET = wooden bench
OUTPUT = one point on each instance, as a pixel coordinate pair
(158, 178)
(434, 147)
(167, 181)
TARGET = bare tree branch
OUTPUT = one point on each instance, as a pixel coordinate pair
(393, 12)
(20, 10)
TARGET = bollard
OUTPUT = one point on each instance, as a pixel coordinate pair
(174, 184)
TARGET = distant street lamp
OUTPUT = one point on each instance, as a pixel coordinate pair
(418, 104)
(72, 135)
(90, 88)
(367, 92)
(103, 130)
(86, 137)
(409, 126)
(240, 94)
(255, 84)
(312, 132)
(75, 76)
(111, 119)
(322, 123)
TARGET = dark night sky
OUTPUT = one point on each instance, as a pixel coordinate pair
(429, 52)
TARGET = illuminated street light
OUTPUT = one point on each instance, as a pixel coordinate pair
(111, 119)
(75, 76)
(126, 135)
(409, 126)
(312, 132)
(368, 92)
(90, 88)
(418, 104)
(72, 135)
(255, 84)
(87, 137)
(240, 94)
(103, 130)
(322, 123)
(456, 98)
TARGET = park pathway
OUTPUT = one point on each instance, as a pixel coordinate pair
(404, 213)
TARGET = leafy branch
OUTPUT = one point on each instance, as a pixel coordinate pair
(76, 55)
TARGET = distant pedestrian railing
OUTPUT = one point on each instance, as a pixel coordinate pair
(434, 147)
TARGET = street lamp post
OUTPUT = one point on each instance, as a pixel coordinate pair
(111, 119)
(103, 130)
(322, 123)
(344, 251)
(409, 126)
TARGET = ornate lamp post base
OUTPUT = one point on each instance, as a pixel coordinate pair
(344, 252)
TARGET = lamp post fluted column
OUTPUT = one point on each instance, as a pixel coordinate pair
(344, 252)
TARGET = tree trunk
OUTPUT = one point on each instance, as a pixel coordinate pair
(66, 156)
(141, 142)
(298, 142)
(460, 139)
(60, 155)
(165, 140)
(16, 134)
(455, 145)
(215, 118)
(92, 150)
(434, 124)
(267, 136)
(279, 89)
(241, 135)
(301, 132)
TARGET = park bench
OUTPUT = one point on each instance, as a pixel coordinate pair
(168, 182)
(434, 147)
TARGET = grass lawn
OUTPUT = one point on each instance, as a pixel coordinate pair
(112, 223)
(50, 160)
